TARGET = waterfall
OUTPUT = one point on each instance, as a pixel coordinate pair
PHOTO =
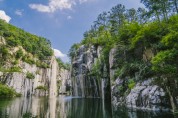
(84, 84)
(102, 88)
(103, 96)
(75, 87)
(81, 79)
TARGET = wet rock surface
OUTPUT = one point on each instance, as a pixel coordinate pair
(83, 84)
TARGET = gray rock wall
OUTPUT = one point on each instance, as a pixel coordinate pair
(83, 84)
(64, 82)
(43, 77)
(144, 95)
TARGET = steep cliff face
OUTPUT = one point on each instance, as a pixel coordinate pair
(64, 82)
(143, 95)
(43, 83)
(85, 84)
(27, 63)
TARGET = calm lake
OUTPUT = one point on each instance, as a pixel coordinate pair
(68, 107)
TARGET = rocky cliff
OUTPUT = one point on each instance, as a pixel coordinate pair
(31, 78)
(144, 94)
(64, 82)
(44, 81)
(85, 63)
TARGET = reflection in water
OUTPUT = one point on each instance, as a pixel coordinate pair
(60, 107)
(67, 107)
(122, 112)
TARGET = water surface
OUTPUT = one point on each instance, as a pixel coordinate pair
(69, 107)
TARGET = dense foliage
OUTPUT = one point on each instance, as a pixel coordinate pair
(146, 41)
(44, 88)
(30, 75)
(5, 91)
(63, 65)
(33, 44)
(31, 48)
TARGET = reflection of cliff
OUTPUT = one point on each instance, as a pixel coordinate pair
(25, 107)
(123, 112)
(67, 107)
(60, 107)
(87, 108)
(30, 107)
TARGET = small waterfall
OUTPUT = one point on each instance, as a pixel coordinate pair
(96, 91)
(102, 88)
(75, 87)
(81, 79)
(85, 85)
(103, 96)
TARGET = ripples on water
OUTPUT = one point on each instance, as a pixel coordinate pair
(68, 107)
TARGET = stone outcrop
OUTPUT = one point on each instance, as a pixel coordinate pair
(144, 95)
(64, 82)
(83, 84)
(2, 41)
(44, 82)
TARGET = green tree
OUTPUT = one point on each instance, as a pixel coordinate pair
(174, 5)
(19, 54)
(131, 15)
(117, 17)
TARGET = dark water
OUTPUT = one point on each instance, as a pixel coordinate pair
(68, 107)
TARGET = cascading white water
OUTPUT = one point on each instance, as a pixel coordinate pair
(81, 79)
(76, 87)
(103, 95)
(102, 88)
(84, 84)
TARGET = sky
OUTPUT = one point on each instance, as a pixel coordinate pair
(63, 22)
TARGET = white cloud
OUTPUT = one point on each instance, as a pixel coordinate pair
(40, 7)
(4, 16)
(59, 54)
(69, 17)
(19, 12)
(53, 5)
(65, 59)
(82, 1)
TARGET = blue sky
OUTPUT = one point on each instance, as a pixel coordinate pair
(63, 22)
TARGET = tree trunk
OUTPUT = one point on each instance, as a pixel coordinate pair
(157, 15)
(175, 3)
(164, 10)
(172, 100)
